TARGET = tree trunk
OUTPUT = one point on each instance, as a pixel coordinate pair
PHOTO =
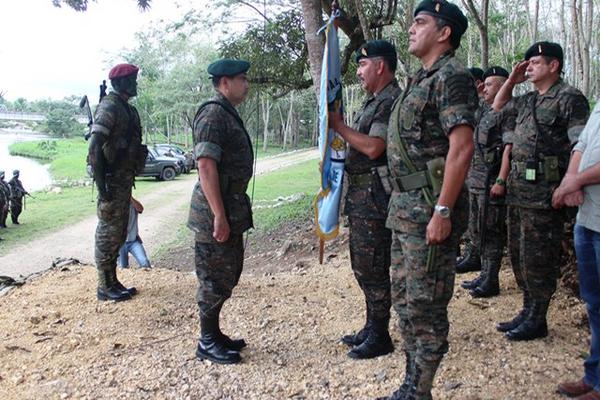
(312, 11)
(364, 22)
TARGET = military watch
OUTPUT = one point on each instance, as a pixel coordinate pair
(443, 211)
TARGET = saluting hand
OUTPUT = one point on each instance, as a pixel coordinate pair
(518, 73)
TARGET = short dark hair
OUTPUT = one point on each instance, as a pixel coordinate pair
(454, 36)
(216, 80)
(560, 63)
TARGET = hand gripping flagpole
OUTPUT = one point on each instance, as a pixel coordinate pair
(331, 145)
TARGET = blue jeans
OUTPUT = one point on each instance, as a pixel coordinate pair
(587, 247)
(137, 249)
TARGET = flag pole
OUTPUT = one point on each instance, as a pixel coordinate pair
(321, 250)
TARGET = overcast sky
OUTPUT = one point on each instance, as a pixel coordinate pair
(50, 52)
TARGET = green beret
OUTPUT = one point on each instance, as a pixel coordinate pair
(228, 67)
(495, 71)
(444, 10)
(477, 73)
(547, 49)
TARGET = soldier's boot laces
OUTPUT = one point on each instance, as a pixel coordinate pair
(534, 326)
(490, 285)
(377, 343)
(357, 338)
(211, 346)
(469, 262)
(516, 321)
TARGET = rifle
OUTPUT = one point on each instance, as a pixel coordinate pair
(85, 103)
(27, 194)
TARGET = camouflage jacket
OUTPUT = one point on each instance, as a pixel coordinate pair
(561, 114)
(17, 191)
(120, 123)
(370, 200)
(221, 135)
(4, 191)
(435, 101)
(487, 138)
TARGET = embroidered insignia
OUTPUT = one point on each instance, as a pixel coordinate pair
(437, 7)
(364, 52)
(337, 144)
(540, 48)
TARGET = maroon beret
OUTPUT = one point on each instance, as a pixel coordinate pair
(121, 70)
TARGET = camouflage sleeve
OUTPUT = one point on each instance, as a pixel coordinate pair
(379, 124)
(577, 112)
(513, 107)
(208, 134)
(105, 117)
(508, 117)
(457, 101)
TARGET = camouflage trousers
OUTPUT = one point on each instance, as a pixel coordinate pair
(4, 206)
(16, 206)
(421, 299)
(495, 228)
(218, 269)
(534, 242)
(370, 244)
(111, 231)
(472, 234)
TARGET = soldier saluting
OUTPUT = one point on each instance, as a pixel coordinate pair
(430, 146)
(115, 153)
(549, 121)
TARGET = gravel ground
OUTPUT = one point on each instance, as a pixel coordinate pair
(58, 342)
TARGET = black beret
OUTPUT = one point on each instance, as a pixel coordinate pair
(376, 48)
(547, 49)
(228, 67)
(477, 73)
(444, 10)
(495, 71)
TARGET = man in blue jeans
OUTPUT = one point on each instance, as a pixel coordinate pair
(133, 242)
(581, 187)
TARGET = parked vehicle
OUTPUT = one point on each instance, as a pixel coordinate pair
(161, 167)
(172, 150)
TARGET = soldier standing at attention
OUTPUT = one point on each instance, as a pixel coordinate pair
(430, 146)
(115, 152)
(220, 209)
(367, 200)
(548, 124)
(4, 200)
(17, 192)
(490, 233)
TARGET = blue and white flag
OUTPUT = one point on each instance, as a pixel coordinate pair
(331, 144)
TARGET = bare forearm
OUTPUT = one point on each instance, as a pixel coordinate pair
(457, 164)
(504, 95)
(505, 166)
(209, 182)
(372, 147)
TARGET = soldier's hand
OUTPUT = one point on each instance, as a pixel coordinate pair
(221, 229)
(574, 199)
(518, 73)
(438, 229)
(498, 190)
(335, 120)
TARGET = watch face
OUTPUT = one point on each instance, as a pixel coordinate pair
(443, 211)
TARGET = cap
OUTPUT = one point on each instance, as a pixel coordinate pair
(121, 70)
(495, 71)
(477, 73)
(548, 49)
(228, 67)
(444, 10)
(376, 48)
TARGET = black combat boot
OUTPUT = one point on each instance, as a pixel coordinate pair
(357, 338)
(534, 326)
(490, 285)
(115, 281)
(472, 284)
(231, 344)
(377, 343)
(469, 262)
(107, 289)
(516, 321)
(420, 388)
(211, 346)
(400, 394)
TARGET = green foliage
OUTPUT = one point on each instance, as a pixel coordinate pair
(305, 178)
(60, 122)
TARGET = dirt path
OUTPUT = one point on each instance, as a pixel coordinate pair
(165, 208)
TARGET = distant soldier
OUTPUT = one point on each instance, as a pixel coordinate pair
(4, 200)
(367, 200)
(487, 211)
(549, 121)
(430, 146)
(220, 208)
(115, 153)
(17, 192)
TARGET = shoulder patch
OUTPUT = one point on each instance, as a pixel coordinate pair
(459, 89)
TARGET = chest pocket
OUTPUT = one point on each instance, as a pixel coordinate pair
(412, 111)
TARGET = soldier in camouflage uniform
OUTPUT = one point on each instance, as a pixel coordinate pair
(17, 192)
(548, 123)
(487, 211)
(4, 200)
(115, 153)
(220, 209)
(367, 200)
(430, 146)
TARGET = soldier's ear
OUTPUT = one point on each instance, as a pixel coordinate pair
(554, 65)
(444, 34)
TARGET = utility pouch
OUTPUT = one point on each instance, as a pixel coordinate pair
(384, 177)
(551, 171)
(490, 157)
(435, 170)
(531, 166)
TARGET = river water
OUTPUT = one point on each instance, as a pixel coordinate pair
(34, 175)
